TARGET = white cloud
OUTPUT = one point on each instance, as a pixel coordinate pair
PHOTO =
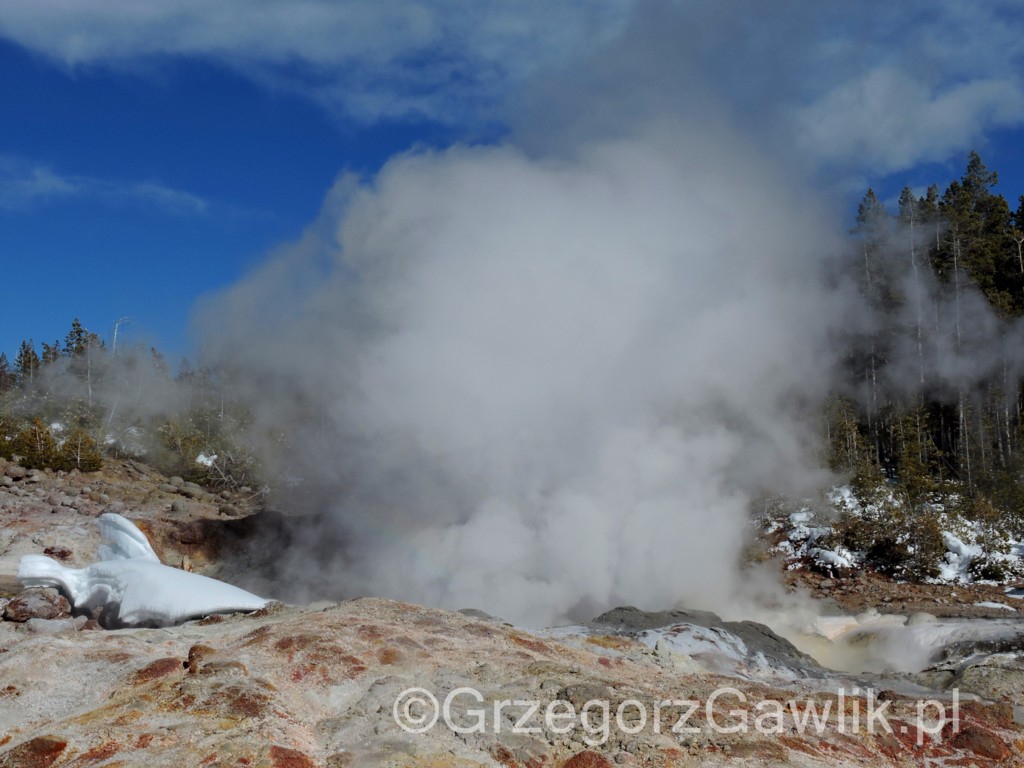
(27, 185)
(887, 120)
(364, 57)
(23, 185)
(842, 84)
(890, 85)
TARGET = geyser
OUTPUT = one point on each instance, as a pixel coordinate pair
(538, 385)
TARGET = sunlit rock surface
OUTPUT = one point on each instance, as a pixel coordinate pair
(296, 687)
(293, 686)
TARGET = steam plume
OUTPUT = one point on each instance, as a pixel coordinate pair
(538, 385)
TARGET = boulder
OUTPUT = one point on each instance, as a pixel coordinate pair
(37, 604)
(15, 472)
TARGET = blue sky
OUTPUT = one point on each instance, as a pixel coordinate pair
(152, 155)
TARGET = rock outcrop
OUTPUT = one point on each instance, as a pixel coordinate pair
(329, 685)
(355, 683)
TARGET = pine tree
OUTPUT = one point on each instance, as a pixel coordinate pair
(79, 451)
(872, 229)
(51, 352)
(36, 446)
(26, 363)
(6, 376)
(1017, 235)
(978, 237)
(159, 363)
(77, 339)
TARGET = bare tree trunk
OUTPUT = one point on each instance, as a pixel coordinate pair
(956, 286)
(965, 448)
(917, 296)
(1019, 238)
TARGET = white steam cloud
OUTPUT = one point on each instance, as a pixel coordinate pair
(540, 386)
(548, 377)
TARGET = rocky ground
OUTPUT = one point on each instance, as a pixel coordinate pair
(858, 593)
(47, 512)
(291, 687)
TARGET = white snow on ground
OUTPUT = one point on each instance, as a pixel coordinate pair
(842, 497)
(831, 558)
(206, 461)
(133, 584)
(802, 536)
(968, 543)
(993, 604)
(959, 557)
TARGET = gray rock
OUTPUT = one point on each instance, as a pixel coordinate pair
(53, 626)
(629, 619)
(7, 482)
(15, 472)
(35, 476)
(758, 638)
(191, 491)
(179, 505)
(176, 481)
(476, 613)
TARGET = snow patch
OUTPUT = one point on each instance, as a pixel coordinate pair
(959, 557)
(992, 604)
(131, 583)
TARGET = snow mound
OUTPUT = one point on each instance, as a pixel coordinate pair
(958, 559)
(130, 586)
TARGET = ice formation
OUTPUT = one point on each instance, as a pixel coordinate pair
(130, 586)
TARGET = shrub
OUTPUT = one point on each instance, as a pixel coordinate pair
(35, 445)
(79, 451)
(989, 569)
(907, 546)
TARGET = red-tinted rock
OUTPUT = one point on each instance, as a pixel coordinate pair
(37, 604)
(587, 759)
(40, 752)
(158, 668)
(981, 742)
(282, 757)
